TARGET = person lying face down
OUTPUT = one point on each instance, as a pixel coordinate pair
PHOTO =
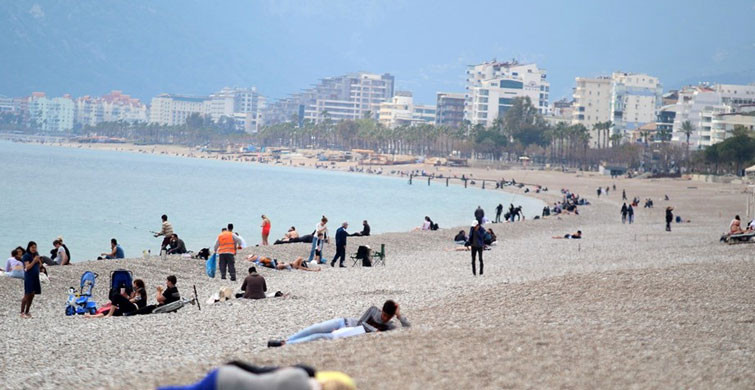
(574, 236)
(373, 320)
(240, 375)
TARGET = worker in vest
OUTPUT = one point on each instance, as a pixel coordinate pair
(225, 247)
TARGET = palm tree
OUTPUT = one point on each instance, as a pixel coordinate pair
(687, 129)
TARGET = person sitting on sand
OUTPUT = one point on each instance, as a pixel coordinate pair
(254, 286)
(735, 227)
(168, 295)
(426, 225)
(365, 230)
(61, 257)
(14, 267)
(177, 246)
(461, 238)
(373, 320)
(121, 303)
(115, 253)
(490, 237)
(574, 236)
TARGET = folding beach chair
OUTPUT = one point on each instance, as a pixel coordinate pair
(379, 257)
(363, 255)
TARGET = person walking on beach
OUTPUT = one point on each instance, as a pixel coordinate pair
(623, 194)
(624, 212)
(32, 262)
(479, 214)
(599, 190)
(669, 217)
(341, 235)
(511, 212)
(225, 247)
(477, 243)
(498, 212)
(630, 214)
(166, 232)
(320, 228)
(265, 229)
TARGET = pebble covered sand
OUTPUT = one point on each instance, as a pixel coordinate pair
(627, 306)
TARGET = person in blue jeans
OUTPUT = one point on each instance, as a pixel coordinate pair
(320, 229)
(373, 320)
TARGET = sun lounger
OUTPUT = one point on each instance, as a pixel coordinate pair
(738, 238)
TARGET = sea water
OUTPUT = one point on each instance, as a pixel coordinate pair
(90, 196)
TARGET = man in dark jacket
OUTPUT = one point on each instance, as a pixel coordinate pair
(341, 235)
(478, 214)
(477, 243)
(498, 212)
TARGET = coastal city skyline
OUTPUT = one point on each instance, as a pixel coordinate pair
(270, 52)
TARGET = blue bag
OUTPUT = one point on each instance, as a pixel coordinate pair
(211, 265)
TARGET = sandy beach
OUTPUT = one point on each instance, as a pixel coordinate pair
(627, 306)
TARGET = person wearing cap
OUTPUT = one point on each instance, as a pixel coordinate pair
(477, 243)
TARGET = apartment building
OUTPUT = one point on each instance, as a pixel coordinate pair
(244, 105)
(492, 87)
(112, 107)
(51, 114)
(449, 109)
(401, 111)
(636, 99)
(700, 104)
(172, 110)
(592, 103)
(352, 96)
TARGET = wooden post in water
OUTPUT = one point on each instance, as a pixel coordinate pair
(428, 181)
(446, 182)
(483, 184)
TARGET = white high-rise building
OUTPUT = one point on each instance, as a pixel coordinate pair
(172, 110)
(352, 96)
(636, 99)
(492, 87)
(113, 107)
(54, 114)
(592, 103)
(701, 104)
(401, 111)
(244, 105)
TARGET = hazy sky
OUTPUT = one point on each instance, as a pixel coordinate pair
(281, 46)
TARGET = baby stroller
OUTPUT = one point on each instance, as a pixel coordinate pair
(121, 279)
(81, 302)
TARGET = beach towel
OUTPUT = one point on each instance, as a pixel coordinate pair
(211, 265)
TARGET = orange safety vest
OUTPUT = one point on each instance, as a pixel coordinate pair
(225, 243)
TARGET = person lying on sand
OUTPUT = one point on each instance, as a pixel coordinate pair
(574, 236)
(239, 375)
(267, 262)
(373, 320)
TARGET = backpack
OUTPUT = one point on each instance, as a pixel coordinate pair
(211, 265)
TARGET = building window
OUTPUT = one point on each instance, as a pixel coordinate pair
(513, 84)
